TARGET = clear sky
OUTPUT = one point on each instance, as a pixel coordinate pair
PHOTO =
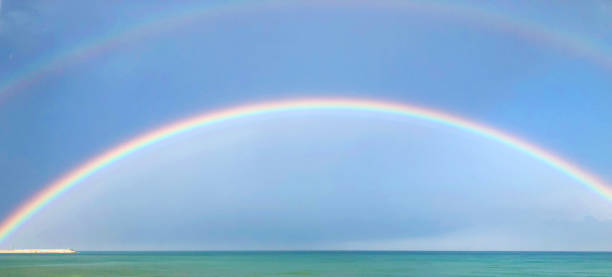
(310, 180)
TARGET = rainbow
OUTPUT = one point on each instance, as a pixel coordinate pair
(76, 176)
(581, 47)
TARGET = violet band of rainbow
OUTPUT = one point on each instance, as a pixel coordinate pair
(74, 177)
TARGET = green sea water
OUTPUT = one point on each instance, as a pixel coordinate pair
(309, 264)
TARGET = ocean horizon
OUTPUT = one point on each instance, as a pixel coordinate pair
(309, 263)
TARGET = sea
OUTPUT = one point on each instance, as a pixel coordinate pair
(309, 263)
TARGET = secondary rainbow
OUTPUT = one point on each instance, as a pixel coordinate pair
(594, 51)
(74, 177)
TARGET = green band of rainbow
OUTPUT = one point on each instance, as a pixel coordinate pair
(72, 178)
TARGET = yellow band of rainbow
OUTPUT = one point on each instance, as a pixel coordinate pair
(72, 178)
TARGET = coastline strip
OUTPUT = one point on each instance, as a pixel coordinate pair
(38, 251)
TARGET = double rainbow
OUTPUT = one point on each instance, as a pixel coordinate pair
(76, 176)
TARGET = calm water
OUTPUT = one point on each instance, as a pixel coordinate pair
(309, 264)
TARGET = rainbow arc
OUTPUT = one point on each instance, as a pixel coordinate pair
(60, 186)
(595, 52)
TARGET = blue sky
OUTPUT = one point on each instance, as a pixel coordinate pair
(305, 180)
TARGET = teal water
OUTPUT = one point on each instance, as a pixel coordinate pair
(309, 264)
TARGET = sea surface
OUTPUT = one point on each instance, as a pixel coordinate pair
(327, 263)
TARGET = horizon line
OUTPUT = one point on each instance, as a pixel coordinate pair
(324, 250)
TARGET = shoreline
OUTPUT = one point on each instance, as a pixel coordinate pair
(38, 251)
